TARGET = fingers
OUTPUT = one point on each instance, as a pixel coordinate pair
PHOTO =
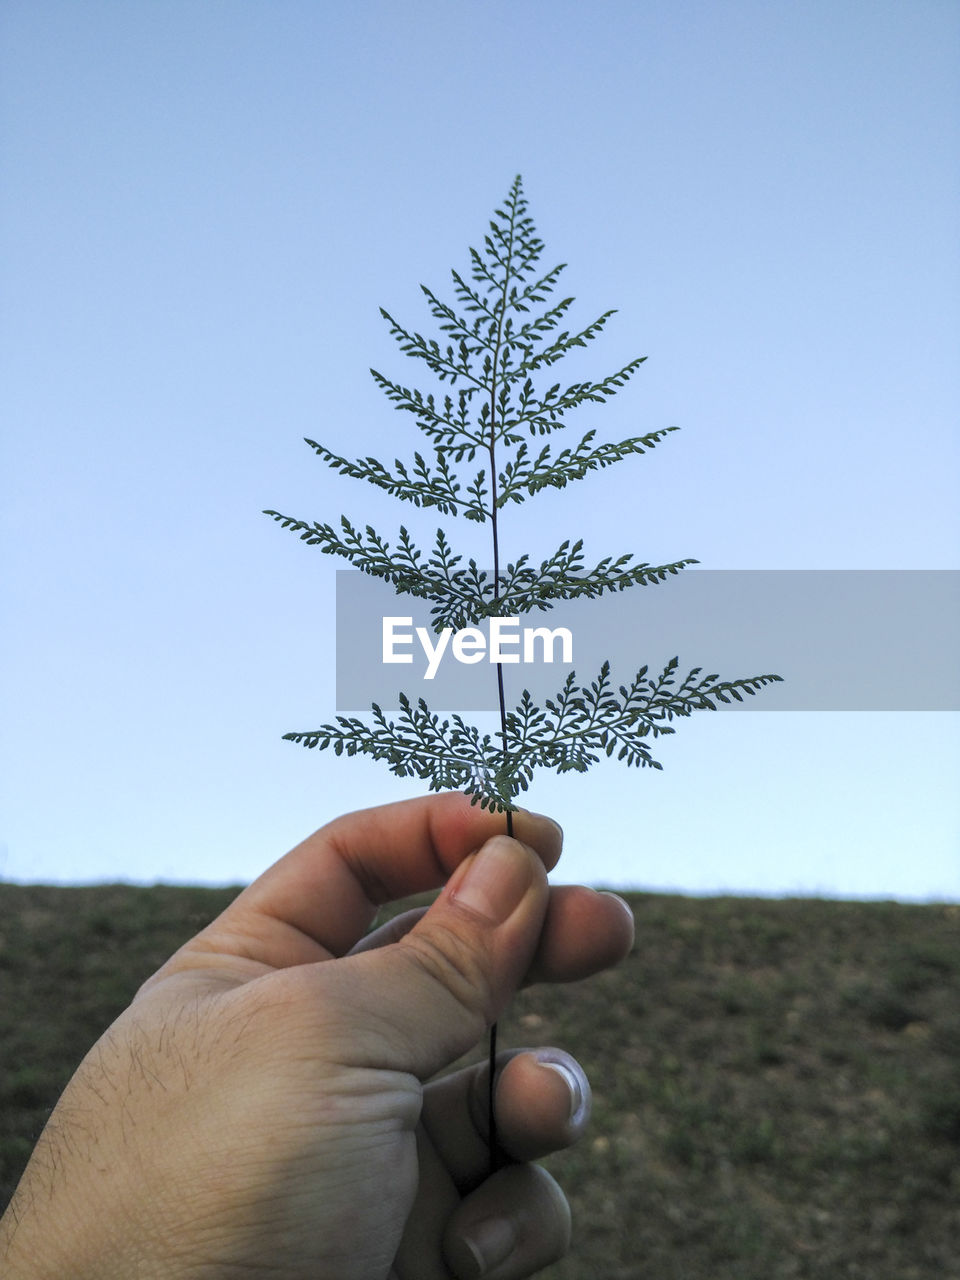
(390, 931)
(584, 932)
(518, 1215)
(542, 1103)
(431, 995)
(512, 1226)
(319, 899)
(420, 1255)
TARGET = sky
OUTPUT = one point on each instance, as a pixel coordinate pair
(203, 208)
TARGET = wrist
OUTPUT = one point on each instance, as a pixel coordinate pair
(42, 1239)
(56, 1227)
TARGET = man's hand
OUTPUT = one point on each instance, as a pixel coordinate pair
(263, 1106)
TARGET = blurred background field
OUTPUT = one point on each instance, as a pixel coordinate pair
(776, 1082)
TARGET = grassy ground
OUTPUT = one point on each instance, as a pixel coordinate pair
(776, 1083)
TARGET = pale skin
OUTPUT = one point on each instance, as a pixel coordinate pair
(266, 1106)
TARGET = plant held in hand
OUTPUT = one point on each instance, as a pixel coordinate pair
(496, 346)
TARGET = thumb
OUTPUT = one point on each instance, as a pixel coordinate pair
(431, 995)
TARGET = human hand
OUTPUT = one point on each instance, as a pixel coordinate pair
(260, 1108)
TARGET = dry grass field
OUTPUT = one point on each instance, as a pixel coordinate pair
(776, 1083)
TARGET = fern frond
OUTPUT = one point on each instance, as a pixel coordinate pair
(562, 345)
(450, 429)
(563, 577)
(569, 733)
(424, 488)
(449, 754)
(544, 413)
(367, 552)
(450, 363)
(537, 291)
(492, 346)
(521, 478)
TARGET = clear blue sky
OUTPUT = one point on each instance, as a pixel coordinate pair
(203, 207)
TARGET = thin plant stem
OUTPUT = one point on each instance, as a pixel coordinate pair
(495, 1160)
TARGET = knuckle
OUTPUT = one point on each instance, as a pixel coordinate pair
(454, 963)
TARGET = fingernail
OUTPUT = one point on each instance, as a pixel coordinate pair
(546, 818)
(496, 879)
(490, 1242)
(574, 1086)
(606, 893)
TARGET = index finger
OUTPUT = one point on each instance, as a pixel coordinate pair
(319, 899)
